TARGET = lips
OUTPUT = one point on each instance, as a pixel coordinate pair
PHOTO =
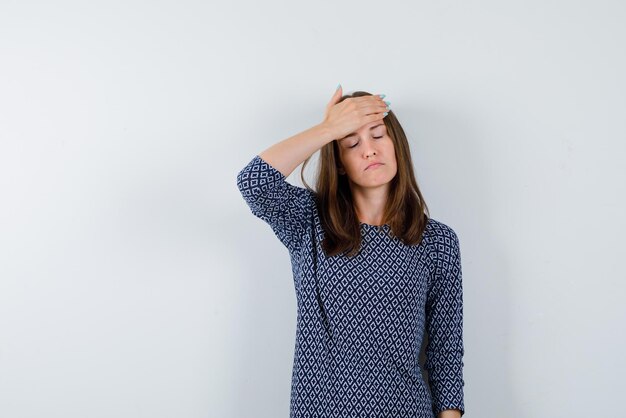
(374, 165)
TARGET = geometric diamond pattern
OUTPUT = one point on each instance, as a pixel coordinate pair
(361, 320)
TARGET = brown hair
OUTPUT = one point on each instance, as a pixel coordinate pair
(405, 211)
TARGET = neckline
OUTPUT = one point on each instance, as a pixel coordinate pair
(373, 226)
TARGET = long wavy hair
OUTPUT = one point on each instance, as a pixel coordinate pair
(406, 212)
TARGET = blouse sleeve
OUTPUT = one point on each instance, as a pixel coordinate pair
(285, 207)
(444, 324)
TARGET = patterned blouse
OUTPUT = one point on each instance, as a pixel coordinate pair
(361, 320)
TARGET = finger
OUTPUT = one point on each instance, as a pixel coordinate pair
(374, 117)
(376, 108)
(336, 96)
(373, 103)
(364, 99)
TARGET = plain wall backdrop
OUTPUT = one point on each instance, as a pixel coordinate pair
(135, 281)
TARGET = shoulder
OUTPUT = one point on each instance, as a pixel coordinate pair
(443, 253)
(439, 231)
(442, 239)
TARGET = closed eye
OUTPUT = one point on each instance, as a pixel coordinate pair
(376, 137)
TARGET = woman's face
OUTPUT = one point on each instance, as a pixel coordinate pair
(369, 144)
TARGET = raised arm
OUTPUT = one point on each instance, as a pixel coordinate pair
(444, 323)
(262, 182)
(288, 154)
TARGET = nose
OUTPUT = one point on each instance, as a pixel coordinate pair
(369, 148)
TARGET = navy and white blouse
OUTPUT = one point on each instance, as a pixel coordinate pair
(361, 320)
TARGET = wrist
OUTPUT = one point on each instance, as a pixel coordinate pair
(325, 132)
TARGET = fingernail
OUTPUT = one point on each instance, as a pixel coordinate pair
(338, 85)
(382, 96)
(388, 103)
(385, 114)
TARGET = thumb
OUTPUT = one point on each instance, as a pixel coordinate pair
(336, 96)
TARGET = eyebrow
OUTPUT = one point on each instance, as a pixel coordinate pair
(354, 133)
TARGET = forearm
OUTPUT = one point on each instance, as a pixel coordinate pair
(449, 413)
(286, 155)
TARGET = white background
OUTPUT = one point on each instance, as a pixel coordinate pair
(134, 280)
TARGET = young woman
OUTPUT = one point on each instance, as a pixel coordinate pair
(372, 271)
